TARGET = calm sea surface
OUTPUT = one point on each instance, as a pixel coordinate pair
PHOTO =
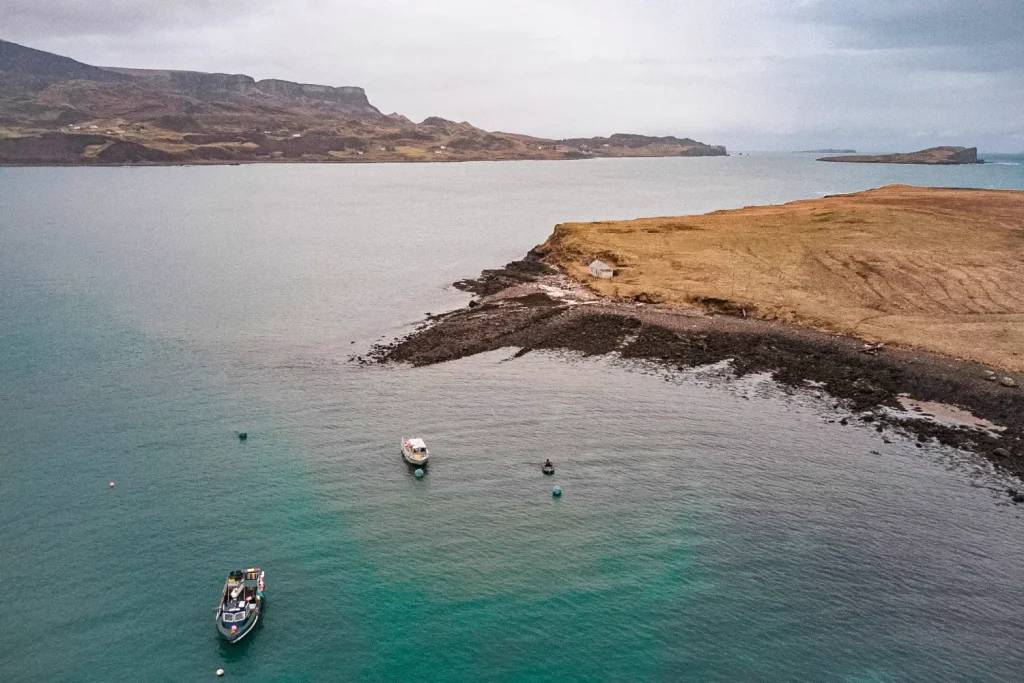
(710, 528)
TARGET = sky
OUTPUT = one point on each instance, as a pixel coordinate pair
(873, 75)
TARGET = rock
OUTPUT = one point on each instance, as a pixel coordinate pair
(648, 298)
(990, 376)
(865, 386)
(1008, 381)
(844, 422)
(474, 303)
(1018, 498)
(1001, 452)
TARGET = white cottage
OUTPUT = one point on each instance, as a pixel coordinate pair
(599, 268)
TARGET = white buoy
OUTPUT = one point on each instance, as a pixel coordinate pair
(111, 484)
(220, 672)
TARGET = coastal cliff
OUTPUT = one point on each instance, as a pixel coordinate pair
(55, 110)
(932, 155)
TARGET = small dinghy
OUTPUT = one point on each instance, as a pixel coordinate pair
(240, 604)
(547, 467)
(415, 452)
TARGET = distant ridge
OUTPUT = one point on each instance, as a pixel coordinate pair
(47, 67)
(56, 110)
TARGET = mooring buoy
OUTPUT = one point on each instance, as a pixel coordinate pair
(111, 484)
(242, 436)
(220, 672)
(557, 491)
(418, 473)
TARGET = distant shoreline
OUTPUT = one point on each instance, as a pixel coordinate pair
(313, 162)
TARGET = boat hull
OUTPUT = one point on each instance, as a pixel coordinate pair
(243, 630)
(414, 461)
(414, 452)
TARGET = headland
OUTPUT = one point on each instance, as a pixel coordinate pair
(878, 298)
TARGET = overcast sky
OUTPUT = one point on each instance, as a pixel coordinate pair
(870, 74)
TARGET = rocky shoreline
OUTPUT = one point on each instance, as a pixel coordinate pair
(531, 305)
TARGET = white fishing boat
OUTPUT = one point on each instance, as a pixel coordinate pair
(415, 452)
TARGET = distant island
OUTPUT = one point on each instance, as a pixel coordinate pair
(55, 110)
(827, 150)
(933, 155)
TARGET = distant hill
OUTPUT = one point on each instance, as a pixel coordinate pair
(932, 156)
(44, 67)
(56, 110)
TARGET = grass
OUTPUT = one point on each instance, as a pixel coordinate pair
(931, 268)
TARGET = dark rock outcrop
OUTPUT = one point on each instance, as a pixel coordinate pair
(47, 148)
(132, 152)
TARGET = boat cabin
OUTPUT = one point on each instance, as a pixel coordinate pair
(240, 590)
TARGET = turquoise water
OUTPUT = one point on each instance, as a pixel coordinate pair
(710, 528)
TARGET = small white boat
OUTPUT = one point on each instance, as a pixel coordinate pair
(415, 452)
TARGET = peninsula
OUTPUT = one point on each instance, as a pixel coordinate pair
(933, 155)
(55, 110)
(875, 295)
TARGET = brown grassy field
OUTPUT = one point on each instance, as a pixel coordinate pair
(931, 268)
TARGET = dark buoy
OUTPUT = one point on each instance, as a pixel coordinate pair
(557, 491)
(418, 473)
(548, 467)
(242, 436)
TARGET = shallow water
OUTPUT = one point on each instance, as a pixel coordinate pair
(710, 528)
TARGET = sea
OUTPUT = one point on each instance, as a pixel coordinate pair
(711, 527)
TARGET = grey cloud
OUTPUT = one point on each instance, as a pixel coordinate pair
(744, 73)
(69, 18)
(923, 23)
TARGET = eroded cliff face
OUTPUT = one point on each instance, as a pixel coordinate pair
(55, 110)
(932, 155)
